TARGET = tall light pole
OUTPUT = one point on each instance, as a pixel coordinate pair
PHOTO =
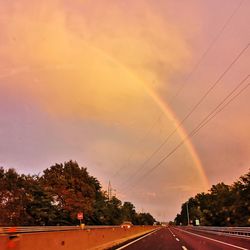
(109, 191)
(187, 213)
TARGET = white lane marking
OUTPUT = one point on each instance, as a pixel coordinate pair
(171, 232)
(177, 239)
(184, 248)
(132, 242)
(218, 241)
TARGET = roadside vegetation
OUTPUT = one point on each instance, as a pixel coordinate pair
(223, 205)
(55, 198)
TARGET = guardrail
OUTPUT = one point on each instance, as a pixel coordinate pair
(11, 230)
(242, 231)
(73, 237)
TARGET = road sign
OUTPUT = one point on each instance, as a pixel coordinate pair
(80, 216)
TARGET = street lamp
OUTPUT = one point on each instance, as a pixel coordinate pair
(187, 213)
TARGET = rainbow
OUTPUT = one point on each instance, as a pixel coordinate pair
(151, 92)
(168, 112)
(183, 134)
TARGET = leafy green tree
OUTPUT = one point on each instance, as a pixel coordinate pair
(223, 205)
(129, 213)
(145, 219)
(220, 206)
(73, 190)
(113, 212)
(57, 196)
(13, 198)
(241, 209)
(39, 205)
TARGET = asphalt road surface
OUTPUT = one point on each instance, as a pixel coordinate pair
(174, 238)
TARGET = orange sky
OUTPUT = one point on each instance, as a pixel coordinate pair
(86, 80)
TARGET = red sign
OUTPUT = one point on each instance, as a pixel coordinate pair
(80, 216)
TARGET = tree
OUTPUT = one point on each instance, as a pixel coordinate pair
(113, 212)
(39, 205)
(241, 209)
(223, 205)
(13, 198)
(57, 196)
(129, 213)
(145, 219)
(73, 190)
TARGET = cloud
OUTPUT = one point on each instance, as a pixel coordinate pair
(89, 65)
(97, 66)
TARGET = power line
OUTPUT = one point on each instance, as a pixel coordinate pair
(203, 123)
(212, 86)
(219, 110)
(222, 105)
(204, 54)
(208, 49)
(139, 142)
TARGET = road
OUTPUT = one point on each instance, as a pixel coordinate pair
(174, 238)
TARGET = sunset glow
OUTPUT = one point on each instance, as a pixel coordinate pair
(86, 80)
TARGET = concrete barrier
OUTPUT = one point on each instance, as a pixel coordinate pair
(93, 239)
(3, 242)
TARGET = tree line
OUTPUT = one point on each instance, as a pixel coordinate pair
(55, 198)
(222, 205)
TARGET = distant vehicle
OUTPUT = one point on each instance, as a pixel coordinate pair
(126, 224)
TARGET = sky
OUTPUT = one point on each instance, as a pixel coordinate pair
(106, 82)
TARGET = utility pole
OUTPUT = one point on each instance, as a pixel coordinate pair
(187, 213)
(109, 191)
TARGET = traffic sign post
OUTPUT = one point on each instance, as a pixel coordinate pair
(80, 217)
(197, 222)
